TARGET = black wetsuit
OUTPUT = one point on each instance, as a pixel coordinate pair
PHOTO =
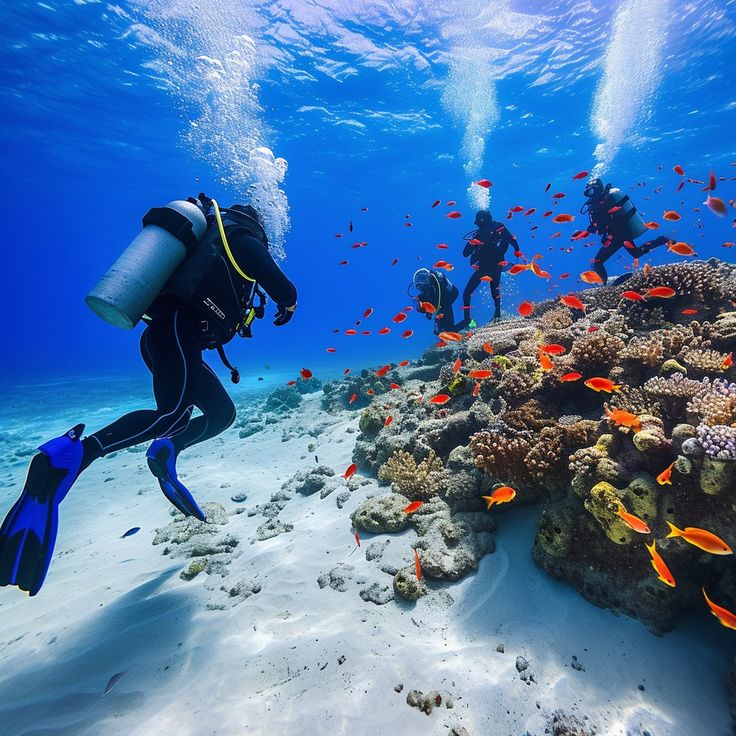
(441, 293)
(485, 259)
(613, 239)
(171, 347)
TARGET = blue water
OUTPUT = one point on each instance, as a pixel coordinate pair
(111, 109)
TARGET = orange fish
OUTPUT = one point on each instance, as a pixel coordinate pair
(652, 225)
(417, 566)
(663, 572)
(602, 384)
(724, 616)
(439, 399)
(305, 373)
(525, 308)
(485, 183)
(553, 349)
(450, 336)
(689, 311)
(664, 477)
(671, 215)
(476, 389)
(545, 361)
(664, 292)
(331, 350)
(678, 170)
(573, 376)
(559, 195)
(647, 268)
(591, 277)
(580, 175)
(623, 418)
(456, 365)
(408, 333)
(727, 362)
(573, 302)
(716, 206)
(504, 494)
(357, 538)
(404, 363)
(453, 215)
(353, 398)
(350, 472)
(682, 249)
(563, 217)
(633, 296)
(291, 383)
(428, 307)
(518, 268)
(487, 279)
(368, 312)
(701, 538)
(383, 371)
(413, 506)
(480, 374)
(388, 421)
(442, 246)
(400, 317)
(613, 210)
(488, 348)
(711, 181)
(384, 330)
(633, 522)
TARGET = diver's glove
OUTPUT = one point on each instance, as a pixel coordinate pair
(283, 315)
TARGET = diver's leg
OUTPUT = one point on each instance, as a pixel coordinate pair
(641, 250)
(470, 287)
(598, 262)
(218, 411)
(496, 293)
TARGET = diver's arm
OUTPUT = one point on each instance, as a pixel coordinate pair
(467, 250)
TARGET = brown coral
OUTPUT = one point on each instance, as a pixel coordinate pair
(411, 479)
(594, 353)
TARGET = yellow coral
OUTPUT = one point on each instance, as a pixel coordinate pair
(411, 479)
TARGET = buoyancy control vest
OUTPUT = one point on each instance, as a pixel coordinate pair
(624, 223)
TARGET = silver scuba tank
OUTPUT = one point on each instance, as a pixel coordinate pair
(122, 296)
(626, 224)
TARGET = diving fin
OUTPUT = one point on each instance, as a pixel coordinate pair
(161, 458)
(28, 534)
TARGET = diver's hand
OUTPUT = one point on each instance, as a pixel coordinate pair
(283, 315)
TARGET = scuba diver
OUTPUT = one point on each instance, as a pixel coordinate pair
(193, 278)
(430, 286)
(615, 218)
(487, 248)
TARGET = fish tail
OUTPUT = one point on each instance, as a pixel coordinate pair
(674, 531)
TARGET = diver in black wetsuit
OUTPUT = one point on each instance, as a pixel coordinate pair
(615, 218)
(432, 286)
(485, 260)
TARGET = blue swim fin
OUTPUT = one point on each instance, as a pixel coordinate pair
(28, 534)
(161, 458)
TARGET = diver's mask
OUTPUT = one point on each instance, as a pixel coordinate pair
(593, 189)
(483, 219)
(420, 283)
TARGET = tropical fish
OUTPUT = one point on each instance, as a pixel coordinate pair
(651, 225)
(350, 472)
(388, 421)
(545, 361)
(485, 183)
(306, 373)
(663, 572)
(525, 308)
(351, 332)
(480, 374)
(384, 330)
(394, 386)
(711, 181)
(368, 312)
(664, 477)
(413, 506)
(518, 268)
(395, 261)
(671, 215)
(702, 538)
(439, 399)
(663, 292)
(552, 349)
(559, 195)
(428, 307)
(715, 205)
(417, 566)
(456, 365)
(563, 217)
(442, 246)
(488, 348)
(475, 241)
(591, 277)
(689, 311)
(357, 538)
(572, 376)
(435, 203)
(573, 302)
(370, 392)
(450, 336)
(133, 530)
(593, 328)
(633, 296)
(453, 215)
(546, 189)
(623, 418)
(614, 210)
(724, 616)
(350, 225)
(633, 522)
(727, 362)
(678, 170)
(530, 211)
(580, 175)
(602, 384)
(407, 333)
(504, 494)
(682, 249)
(404, 363)
(486, 279)
(517, 208)
(353, 398)
(329, 350)
(383, 371)
(342, 263)
(400, 317)
(476, 389)
(346, 371)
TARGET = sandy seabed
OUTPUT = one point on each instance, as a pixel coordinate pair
(259, 647)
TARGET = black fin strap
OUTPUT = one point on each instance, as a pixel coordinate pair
(234, 373)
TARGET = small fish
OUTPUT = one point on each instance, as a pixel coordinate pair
(306, 373)
(689, 311)
(593, 328)
(682, 249)
(559, 195)
(394, 386)
(417, 566)
(384, 330)
(350, 472)
(715, 205)
(680, 186)
(487, 279)
(329, 350)
(614, 210)
(573, 302)
(664, 477)
(530, 211)
(580, 175)
(338, 235)
(111, 682)
(480, 374)
(357, 537)
(504, 494)
(353, 398)
(398, 318)
(623, 418)
(663, 572)
(633, 296)
(368, 312)
(545, 361)
(602, 384)
(651, 225)
(663, 292)
(133, 530)
(342, 263)
(427, 307)
(413, 506)
(394, 262)
(476, 390)
(388, 421)
(647, 268)
(351, 332)
(633, 522)
(724, 616)
(454, 215)
(525, 309)
(450, 336)
(591, 277)
(711, 181)
(456, 365)
(475, 241)
(563, 217)
(546, 189)
(518, 268)
(383, 371)
(701, 538)
(488, 348)
(678, 170)
(727, 362)
(450, 203)
(572, 376)
(291, 383)
(439, 399)
(404, 363)
(553, 349)
(671, 216)
(407, 333)
(350, 225)
(364, 209)
(517, 208)
(485, 183)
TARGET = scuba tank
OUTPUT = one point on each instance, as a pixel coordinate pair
(127, 290)
(624, 224)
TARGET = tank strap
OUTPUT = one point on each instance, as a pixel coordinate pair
(174, 223)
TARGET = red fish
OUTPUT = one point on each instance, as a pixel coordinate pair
(682, 249)
(671, 216)
(428, 307)
(563, 217)
(572, 376)
(435, 203)
(517, 208)
(450, 336)
(342, 263)
(525, 308)
(546, 189)
(353, 398)
(384, 330)
(357, 538)
(633, 296)
(439, 399)
(488, 348)
(602, 384)
(368, 312)
(689, 311)
(413, 506)
(559, 195)
(518, 268)
(400, 317)
(350, 472)
(305, 373)
(291, 383)
(395, 261)
(553, 349)
(485, 183)
(383, 371)
(442, 246)
(456, 365)
(480, 374)
(591, 277)
(545, 361)
(580, 175)
(716, 206)
(711, 181)
(453, 215)
(593, 328)
(530, 211)
(613, 210)
(417, 566)
(394, 386)
(388, 421)
(678, 170)
(407, 333)
(346, 371)
(476, 390)
(404, 363)
(573, 302)
(727, 362)
(663, 292)
(475, 241)
(331, 350)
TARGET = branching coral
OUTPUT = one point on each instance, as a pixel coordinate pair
(499, 455)
(411, 479)
(718, 441)
(715, 403)
(672, 393)
(594, 353)
(703, 360)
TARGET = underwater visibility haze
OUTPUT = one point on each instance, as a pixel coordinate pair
(475, 470)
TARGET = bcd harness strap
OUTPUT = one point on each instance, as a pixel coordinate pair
(174, 223)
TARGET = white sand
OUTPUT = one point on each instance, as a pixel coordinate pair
(269, 665)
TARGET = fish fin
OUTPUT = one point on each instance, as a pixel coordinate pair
(674, 531)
